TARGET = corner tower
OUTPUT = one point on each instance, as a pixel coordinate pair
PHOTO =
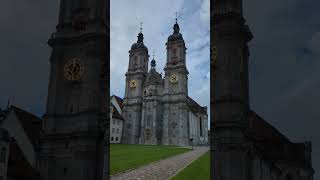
(175, 94)
(135, 79)
(230, 102)
(71, 145)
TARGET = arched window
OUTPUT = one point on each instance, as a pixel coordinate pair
(3, 154)
(174, 51)
(135, 61)
(65, 171)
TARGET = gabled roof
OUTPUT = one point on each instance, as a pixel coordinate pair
(30, 123)
(116, 114)
(261, 130)
(195, 107)
(119, 100)
(153, 78)
(273, 145)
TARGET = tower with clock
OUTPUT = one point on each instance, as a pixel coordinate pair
(175, 94)
(158, 110)
(74, 127)
(135, 79)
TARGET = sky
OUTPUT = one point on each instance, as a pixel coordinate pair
(284, 62)
(158, 18)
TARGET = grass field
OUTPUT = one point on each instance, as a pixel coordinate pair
(124, 157)
(199, 169)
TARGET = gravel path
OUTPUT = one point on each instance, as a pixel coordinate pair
(163, 169)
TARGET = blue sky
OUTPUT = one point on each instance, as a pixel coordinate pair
(158, 18)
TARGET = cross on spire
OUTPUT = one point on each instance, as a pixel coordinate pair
(176, 17)
(141, 23)
(153, 54)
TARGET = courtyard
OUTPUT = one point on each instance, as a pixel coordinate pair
(158, 162)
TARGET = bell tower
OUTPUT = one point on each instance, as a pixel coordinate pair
(230, 102)
(175, 94)
(135, 79)
(176, 73)
(74, 125)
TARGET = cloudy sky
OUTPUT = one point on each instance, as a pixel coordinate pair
(284, 65)
(158, 18)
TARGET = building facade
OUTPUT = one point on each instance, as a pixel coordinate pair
(158, 110)
(116, 122)
(19, 135)
(244, 145)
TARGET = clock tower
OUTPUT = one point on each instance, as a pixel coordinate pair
(230, 97)
(175, 94)
(135, 79)
(71, 145)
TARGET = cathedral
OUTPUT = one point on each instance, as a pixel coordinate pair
(156, 109)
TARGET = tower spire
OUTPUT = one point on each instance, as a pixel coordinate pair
(8, 103)
(176, 17)
(153, 62)
(140, 35)
(176, 27)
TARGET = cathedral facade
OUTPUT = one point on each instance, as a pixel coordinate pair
(158, 110)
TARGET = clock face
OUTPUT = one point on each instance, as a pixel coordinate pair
(73, 69)
(173, 78)
(133, 83)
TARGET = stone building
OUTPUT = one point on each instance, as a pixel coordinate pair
(75, 125)
(116, 122)
(19, 136)
(244, 145)
(159, 110)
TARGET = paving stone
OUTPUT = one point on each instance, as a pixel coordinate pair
(163, 169)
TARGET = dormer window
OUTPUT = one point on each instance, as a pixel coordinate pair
(135, 61)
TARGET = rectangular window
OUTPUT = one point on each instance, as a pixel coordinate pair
(117, 131)
(112, 130)
(114, 121)
(201, 131)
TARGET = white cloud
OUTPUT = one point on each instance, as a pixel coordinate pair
(205, 11)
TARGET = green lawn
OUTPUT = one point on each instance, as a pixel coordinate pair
(199, 169)
(124, 157)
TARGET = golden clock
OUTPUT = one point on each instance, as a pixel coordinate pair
(73, 69)
(133, 83)
(173, 78)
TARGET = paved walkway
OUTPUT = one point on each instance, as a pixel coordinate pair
(163, 169)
